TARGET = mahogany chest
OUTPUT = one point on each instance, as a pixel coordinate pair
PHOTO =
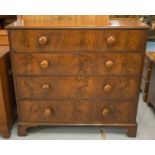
(148, 80)
(7, 96)
(77, 75)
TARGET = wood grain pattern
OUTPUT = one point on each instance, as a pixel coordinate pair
(90, 22)
(78, 63)
(7, 96)
(27, 40)
(69, 20)
(76, 111)
(76, 74)
(77, 87)
(2, 105)
(3, 38)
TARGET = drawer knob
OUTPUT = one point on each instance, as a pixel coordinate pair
(46, 86)
(48, 112)
(44, 64)
(42, 40)
(109, 64)
(111, 40)
(105, 112)
(107, 88)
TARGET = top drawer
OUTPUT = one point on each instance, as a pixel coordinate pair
(34, 40)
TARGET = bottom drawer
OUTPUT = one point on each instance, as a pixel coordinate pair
(77, 111)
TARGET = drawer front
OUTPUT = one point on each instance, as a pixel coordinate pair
(77, 87)
(31, 40)
(76, 111)
(75, 64)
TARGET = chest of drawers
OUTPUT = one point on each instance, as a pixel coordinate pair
(148, 80)
(85, 75)
(7, 96)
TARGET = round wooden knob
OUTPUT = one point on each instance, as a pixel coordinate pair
(105, 112)
(107, 88)
(111, 40)
(42, 40)
(44, 64)
(48, 112)
(46, 86)
(109, 64)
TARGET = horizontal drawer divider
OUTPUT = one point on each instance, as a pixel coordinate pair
(77, 75)
(80, 51)
(104, 99)
(78, 28)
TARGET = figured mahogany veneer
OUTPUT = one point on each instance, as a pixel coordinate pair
(77, 75)
(77, 111)
(77, 63)
(31, 40)
(77, 87)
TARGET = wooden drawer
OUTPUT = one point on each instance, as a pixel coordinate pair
(75, 64)
(76, 111)
(77, 87)
(77, 39)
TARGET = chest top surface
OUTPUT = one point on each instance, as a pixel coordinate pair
(77, 22)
